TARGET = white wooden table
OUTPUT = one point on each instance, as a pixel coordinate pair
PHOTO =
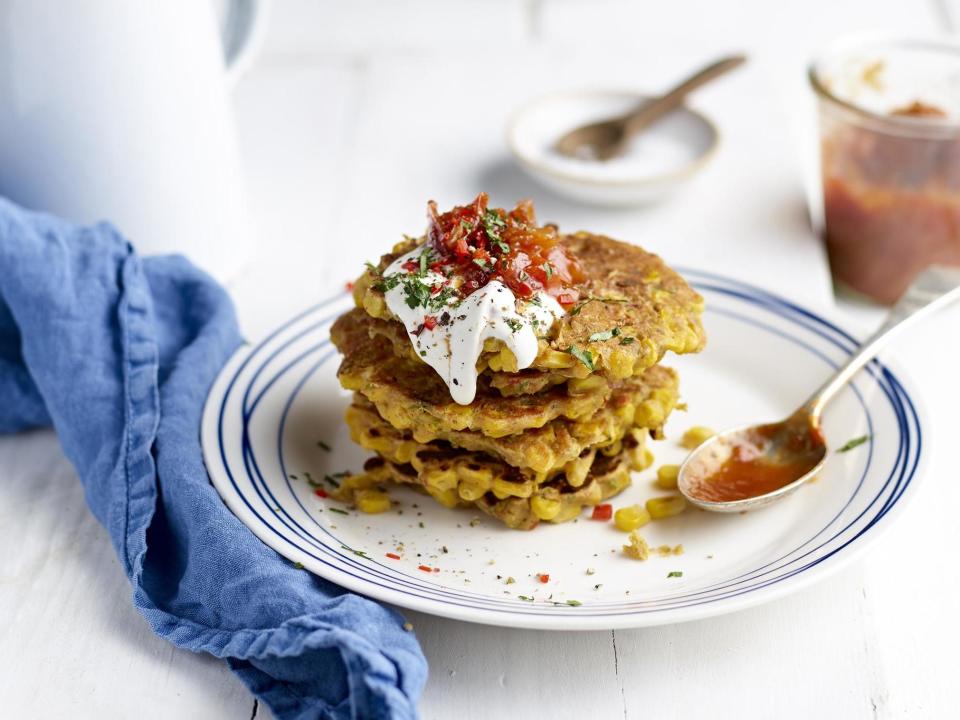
(353, 116)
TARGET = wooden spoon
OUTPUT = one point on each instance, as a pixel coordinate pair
(608, 138)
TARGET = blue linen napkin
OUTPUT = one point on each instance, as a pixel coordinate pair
(117, 353)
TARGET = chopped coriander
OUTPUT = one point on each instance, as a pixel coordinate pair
(574, 603)
(338, 511)
(502, 246)
(525, 597)
(424, 259)
(534, 300)
(514, 324)
(323, 446)
(481, 263)
(583, 356)
(855, 442)
(358, 553)
(298, 565)
(627, 340)
(604, 335)
(420, 524)
(674, 573)
(331, 479)
(547, 269)
(388, 283)
(416, 293)
(493, 224)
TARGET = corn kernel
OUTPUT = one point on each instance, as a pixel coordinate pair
(505, 488)
(471, 489)
(508, 361)
(447, 498)
(583, 386)
(650, 413)
(618, 481)
(405, 450)
(648, 458)
(664, 507)
(544, 508)
(372, 501)
(696, 436)
(568, 512)
(477, 474)
(439, 479)
(628, 519)
(620, 363)
(667, 477)
(556, 359)
(626, 412)
(374, 305)
(361, 481)
(576, 471)
(613, 449)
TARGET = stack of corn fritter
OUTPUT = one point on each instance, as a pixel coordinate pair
(536, 444)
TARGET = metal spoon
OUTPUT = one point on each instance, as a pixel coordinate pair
(608, 138)
(797, 441)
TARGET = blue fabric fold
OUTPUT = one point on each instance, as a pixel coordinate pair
(117, 354)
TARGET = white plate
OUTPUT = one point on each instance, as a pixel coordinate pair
(276, 404)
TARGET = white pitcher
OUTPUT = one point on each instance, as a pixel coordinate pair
(118, 110)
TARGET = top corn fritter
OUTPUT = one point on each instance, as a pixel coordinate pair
(621, 309)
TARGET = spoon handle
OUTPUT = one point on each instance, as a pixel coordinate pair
(644, 115)
(933, 289)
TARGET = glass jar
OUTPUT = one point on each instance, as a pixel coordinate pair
(889, 112)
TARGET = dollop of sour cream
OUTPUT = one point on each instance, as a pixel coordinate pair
(456, 340)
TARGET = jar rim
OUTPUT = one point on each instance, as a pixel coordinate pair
(905, 124)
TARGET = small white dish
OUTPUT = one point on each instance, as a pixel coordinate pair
(274, 421)
(657, 162)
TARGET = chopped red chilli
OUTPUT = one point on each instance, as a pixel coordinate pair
(480, 244)
(602, 512)
(543, 577)
(320, 492)
(393, 556)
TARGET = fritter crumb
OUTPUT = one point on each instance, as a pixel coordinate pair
(638, 548)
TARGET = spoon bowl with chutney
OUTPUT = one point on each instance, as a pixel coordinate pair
(752, 466)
